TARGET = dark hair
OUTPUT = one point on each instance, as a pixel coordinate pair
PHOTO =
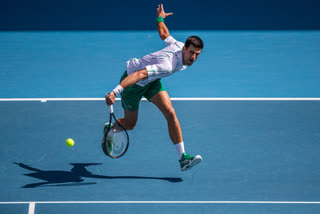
(195, 41)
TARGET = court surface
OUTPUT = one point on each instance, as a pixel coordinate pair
(259, 155)
(252, 151)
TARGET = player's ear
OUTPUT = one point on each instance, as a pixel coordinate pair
(184, 48)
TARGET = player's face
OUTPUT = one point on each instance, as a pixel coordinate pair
(190, 55)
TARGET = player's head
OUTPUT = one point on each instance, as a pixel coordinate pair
(191, 50)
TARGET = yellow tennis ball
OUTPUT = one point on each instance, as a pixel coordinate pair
(69, 142)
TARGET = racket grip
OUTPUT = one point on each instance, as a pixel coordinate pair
(111, 109)
(111, 106)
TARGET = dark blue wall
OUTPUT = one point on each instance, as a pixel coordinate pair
(140, 14)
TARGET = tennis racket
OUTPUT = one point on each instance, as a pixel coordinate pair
(116, 139)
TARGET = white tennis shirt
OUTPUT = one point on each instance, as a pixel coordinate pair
(160, 64)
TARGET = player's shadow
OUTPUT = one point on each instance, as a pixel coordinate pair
(75, 177)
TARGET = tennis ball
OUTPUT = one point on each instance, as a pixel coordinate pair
(69, 142)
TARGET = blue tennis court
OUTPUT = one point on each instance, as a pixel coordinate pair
(253, 151)
(249, 106)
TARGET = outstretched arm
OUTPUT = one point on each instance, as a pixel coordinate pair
(162, 28)
(139, 75)
(28, 167)
(127, 82)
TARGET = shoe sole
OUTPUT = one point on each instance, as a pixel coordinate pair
(197, 159)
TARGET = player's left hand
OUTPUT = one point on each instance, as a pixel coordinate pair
(161, 12)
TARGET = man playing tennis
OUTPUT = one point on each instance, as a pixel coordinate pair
(143, 78)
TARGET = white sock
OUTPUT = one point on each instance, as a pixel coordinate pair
(180, 149)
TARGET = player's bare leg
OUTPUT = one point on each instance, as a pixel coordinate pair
(163, 102)
(129, 121)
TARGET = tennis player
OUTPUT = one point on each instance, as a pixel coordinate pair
(143, 78)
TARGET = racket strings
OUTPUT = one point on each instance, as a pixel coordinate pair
(116, 141)
(118, 137)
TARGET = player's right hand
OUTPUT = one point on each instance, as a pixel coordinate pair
(110, 98)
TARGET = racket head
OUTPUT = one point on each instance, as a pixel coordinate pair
(117, 141)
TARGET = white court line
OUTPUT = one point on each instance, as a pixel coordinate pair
(162, 202)
(174, 98)
(32, 204)
(31, 207)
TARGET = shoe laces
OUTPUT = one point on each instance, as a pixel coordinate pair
(186, 156)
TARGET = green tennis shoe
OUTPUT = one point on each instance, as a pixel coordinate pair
(107, 141)
(188, 161)
(106, 127)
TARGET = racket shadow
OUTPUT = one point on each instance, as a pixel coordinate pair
(76, 176)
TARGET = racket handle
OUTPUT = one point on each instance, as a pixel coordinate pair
(111, 106)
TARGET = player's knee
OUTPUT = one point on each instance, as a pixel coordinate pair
(170, 114)
(130, 125)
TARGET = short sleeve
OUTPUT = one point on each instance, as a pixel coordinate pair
(170, 40)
